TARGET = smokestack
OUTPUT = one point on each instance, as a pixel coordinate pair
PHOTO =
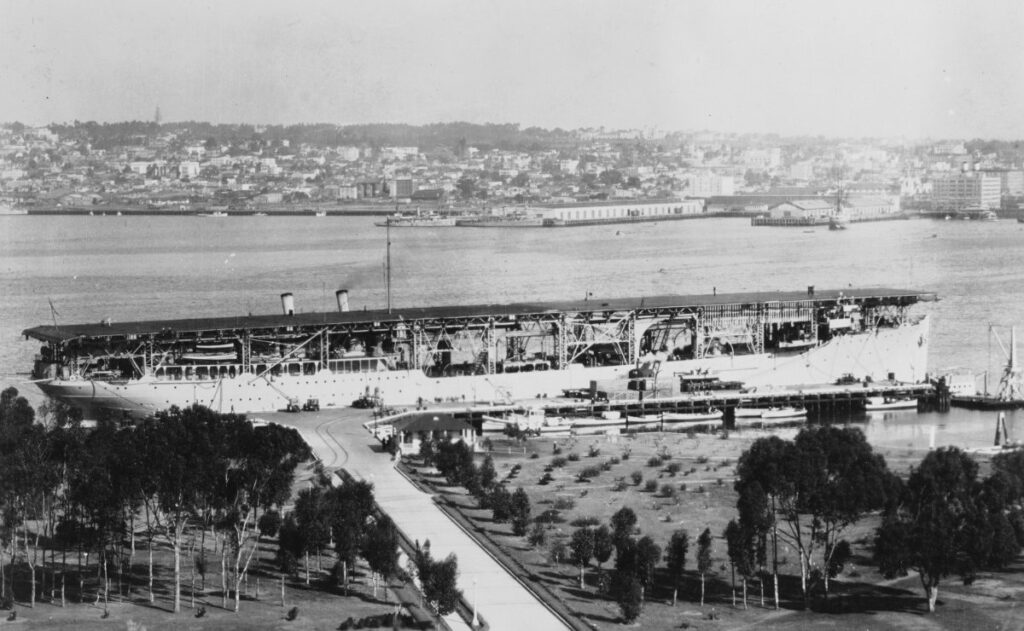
(288, 303)
(342, 296)
(964, 167)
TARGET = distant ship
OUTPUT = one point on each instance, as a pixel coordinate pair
(427, 220)
(6, 209)
(516, 219)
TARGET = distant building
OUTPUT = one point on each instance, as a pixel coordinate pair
(969, 189)
(805, 209)
(710, 185)
(402, 188)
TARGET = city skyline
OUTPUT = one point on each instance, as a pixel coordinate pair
(909, 69)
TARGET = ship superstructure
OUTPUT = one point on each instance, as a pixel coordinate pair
(478, 353)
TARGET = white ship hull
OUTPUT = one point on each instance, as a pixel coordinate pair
(899, 352)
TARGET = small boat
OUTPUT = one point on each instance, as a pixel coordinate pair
(321, 213)
(218, 213)
(533, 420)
(788, 412)
(599, 425)
(209, 358)
(890, 403)
(675, 421)
(798, 344)
(742, 412)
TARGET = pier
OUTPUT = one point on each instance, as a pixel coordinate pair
(821, 402)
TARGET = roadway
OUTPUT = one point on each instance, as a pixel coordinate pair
(340, 442)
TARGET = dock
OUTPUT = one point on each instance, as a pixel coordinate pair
(821, 402)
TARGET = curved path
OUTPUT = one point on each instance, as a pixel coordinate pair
(339, 440)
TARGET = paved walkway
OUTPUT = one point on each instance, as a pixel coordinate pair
(339, 440)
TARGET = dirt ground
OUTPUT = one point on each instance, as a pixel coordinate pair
(701, 497)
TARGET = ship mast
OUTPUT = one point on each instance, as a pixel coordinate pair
(387, 266)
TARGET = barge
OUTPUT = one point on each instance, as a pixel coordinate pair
(481, 354)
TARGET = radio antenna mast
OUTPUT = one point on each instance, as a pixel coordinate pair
(387, 265)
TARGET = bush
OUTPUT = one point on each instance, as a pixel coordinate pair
(270, 523)
(585, 522)
(557, 450)
(651, 486)
(545, 479)
(702, 459)
(654, 461)
(625, 455)
(565, 503)
(667, 490)
(682, 487)
(550, 516)
(720, 482)
(534, 456)
(558, 461)
(536, 536)
(573, 456)
(614, 460)
(674, 468)
(594, 451)
(701, 489)
(589, 472)
(637, 477)
(620, 485)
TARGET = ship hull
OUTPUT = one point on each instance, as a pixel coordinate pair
(899, 353)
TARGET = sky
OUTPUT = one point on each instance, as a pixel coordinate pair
(878, 68)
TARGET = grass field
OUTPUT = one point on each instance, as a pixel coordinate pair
(692, 489)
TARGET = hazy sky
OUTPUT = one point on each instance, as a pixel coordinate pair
(856, 67)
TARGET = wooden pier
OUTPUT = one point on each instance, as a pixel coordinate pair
(821, 403)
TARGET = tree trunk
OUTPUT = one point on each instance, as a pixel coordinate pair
(675, 593)
(582, 582)
(151, 597)
(733, 580)
(701, 590)
(744, 579)
(177, 567)
(933, 597)
(282, 592)
(223, 579)
(62, 577)
(307, 568)
(803, 577)
(31, 570)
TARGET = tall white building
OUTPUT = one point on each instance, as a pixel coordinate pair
(971, 189)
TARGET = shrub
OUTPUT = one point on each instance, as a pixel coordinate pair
(550, 516)
(590, 472)
(701, 489)
(637, 477)
(558, 461)
(620, 485)
(651, 486)
(557, 450)
(536, 536)
(682, 487)
(585, 522)
(546, 479)
(534, 456)
(594, 451)
(667, 490)
(654, 461)
(573, 456)
(702, 459)
(606, 466)
(673, 468)
(565, 503)
(720, 482)
(625, 456)
(614, 460)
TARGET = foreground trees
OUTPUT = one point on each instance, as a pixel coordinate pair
(182, 472)
(807, 492)
(940, 526)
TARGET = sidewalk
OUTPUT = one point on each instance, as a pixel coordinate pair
(339, 440)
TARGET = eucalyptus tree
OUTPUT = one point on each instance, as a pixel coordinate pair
(380, 549)
(939, 527)
(675, 558)
(184, 459)
(581, 548)
(703, 559)
(815, 488)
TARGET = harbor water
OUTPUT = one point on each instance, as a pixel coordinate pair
(130, 268)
